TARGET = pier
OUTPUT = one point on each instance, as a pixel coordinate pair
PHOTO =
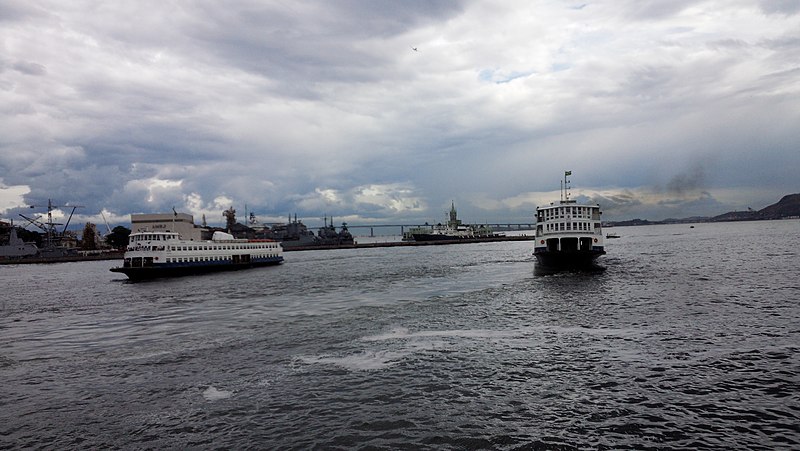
(498, 227)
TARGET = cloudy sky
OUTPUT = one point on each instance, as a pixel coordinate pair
(660, 108)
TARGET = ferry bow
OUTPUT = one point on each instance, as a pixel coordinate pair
(569, 235)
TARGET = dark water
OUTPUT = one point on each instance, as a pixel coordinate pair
(689, 340)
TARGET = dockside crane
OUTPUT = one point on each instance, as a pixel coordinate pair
(49, 227)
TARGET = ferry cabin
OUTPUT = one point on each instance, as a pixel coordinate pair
(166, 249)
(567, 226)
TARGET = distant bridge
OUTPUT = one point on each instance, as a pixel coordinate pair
(497, 226)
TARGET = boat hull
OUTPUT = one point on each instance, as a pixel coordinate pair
(444, 237)
(567, 259)
(437, 237)
(158, 271)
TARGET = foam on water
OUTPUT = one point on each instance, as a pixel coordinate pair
(213, 394)
(362, 361)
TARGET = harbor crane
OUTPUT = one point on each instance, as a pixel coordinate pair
(49, 227)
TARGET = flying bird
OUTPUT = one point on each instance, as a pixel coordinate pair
(414, 49)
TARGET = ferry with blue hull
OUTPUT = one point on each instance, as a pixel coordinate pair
(569, 235)
(151, 255)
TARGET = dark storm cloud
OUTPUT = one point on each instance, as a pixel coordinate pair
(301, 44)
(684, 183)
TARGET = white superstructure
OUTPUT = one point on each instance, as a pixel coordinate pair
(158, 254)
(568, 234)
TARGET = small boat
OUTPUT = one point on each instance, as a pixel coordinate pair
(568, 235)
(152, 255)
(612, 235)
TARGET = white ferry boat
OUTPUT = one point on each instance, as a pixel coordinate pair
(568, 235)
(164, 254)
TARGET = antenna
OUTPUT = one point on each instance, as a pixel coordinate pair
(566, 185)
(106, 221)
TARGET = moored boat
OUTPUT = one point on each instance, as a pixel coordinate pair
(164, 254)
(17, 248)
(453, 230)
(569, 235)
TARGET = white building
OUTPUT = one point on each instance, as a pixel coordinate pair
(168, 222)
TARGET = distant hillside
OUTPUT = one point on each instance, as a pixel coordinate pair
(788, 206)
(632, 222)
(748, 215)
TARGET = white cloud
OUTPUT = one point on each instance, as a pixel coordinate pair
(12, 196)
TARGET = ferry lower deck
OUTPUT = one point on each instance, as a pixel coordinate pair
(143, 270)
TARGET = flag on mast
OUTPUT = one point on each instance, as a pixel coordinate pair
(566, 173)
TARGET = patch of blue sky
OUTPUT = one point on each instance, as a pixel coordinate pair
(499, 77)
